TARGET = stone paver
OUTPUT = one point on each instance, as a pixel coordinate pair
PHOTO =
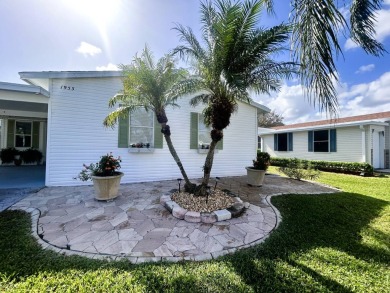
(138, 226)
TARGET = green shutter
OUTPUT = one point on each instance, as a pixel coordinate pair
(158, 136)
(123, 132)
(219, 145)
(333, 144)
(35, 135)
(310, 139)
(194, 131)
(11, 133)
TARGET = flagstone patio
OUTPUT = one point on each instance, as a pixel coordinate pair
(135, 226)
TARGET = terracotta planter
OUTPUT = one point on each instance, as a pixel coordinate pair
(255, 177)
(106, 188)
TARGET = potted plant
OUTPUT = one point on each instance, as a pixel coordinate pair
(105, 176)
(255, 174)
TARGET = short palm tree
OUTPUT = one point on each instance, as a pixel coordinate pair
(151, 86)
(235, 57)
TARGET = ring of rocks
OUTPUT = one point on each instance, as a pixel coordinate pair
(234, 211)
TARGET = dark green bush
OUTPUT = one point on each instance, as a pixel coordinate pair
(8, 155)
(297, 170)
(31, 155)
(336, 167)
(262, 161)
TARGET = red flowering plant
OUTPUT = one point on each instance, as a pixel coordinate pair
(107, 166)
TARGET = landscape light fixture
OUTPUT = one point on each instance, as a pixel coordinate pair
(179, 180)
(208, 193)
(216, 182)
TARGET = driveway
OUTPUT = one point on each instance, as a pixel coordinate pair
(17, 182)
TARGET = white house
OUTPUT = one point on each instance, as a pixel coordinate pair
(363, 138)
(62, 115)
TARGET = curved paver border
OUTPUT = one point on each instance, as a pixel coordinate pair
(236, 210)
(137, 258)
(133, 257)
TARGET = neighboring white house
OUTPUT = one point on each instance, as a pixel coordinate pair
(363, 138)
(72, 106)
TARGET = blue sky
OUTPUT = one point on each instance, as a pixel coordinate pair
(42, 35)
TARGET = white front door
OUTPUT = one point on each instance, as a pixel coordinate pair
(381, 149)
(378, 144)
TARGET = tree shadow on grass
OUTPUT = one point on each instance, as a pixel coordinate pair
(312, 222)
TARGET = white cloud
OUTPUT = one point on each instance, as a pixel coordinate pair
(353, 100)
(88, 49)
(109, 66)
(383, 25)
(365, 68)
(382, 28)
(349, 44)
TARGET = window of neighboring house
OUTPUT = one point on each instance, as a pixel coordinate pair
(204, 138)
(259, 142)
(322, 140)
(141, 128)
(23, 131)
(283, 142)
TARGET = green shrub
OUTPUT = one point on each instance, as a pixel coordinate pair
(262, 161)
(8, 155)
(336, 167)
(297, 170)
(31, 155)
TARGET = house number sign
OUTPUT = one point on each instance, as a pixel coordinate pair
(69, 88)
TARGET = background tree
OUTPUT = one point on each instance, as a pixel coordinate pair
(151, 86)
(235, 56)
(270, 119)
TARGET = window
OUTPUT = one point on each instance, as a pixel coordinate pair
(204, 138)
(141, 128)
(322, 140)
(283, 142)
(200, 133)
(23, 131)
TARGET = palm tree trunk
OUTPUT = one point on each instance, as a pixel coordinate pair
(202, 189)
(189, 187)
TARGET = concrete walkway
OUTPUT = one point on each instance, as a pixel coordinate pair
(136, 227)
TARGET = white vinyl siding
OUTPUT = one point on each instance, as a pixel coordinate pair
(77, 136)
(348, 146)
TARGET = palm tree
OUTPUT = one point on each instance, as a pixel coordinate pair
(235, 57)
(317, 25)
(151, 86)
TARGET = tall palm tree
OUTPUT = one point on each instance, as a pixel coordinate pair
(317, 26)
(151, 86)
(235, 56)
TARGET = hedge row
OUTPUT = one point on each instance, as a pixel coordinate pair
(337, 167)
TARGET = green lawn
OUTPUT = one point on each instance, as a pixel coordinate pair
(338, 242)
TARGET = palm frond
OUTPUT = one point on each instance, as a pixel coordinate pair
(315, 45)
(362, 21)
